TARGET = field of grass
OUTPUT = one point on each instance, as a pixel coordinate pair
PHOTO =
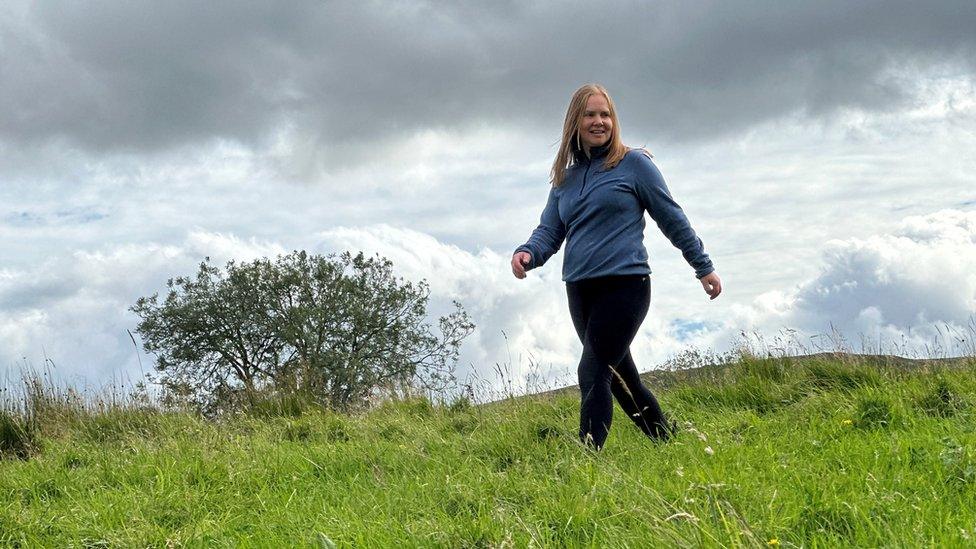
(816, 452)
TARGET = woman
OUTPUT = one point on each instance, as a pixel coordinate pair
(600, 190)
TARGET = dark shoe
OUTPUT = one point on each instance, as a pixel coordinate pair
(665, 432)
(586, 440)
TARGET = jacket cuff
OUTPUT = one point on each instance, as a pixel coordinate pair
(704, 271)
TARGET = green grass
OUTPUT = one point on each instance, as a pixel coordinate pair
(817, 453)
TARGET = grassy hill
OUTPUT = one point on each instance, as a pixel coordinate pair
(821, 451)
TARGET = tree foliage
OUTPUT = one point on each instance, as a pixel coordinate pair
(339, 329)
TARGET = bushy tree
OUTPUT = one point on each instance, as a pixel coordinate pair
(339, 329)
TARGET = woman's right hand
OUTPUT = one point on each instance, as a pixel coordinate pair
(519, 261)
(712, 284)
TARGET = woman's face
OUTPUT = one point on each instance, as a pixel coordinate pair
(596, 123)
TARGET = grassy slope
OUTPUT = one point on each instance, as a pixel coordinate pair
(816, 454)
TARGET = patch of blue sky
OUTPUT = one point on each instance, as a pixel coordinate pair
(80, 215)
(23, 219)
(73, 216)
(684, 329)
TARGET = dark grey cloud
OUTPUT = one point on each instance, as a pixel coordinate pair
(145, 76)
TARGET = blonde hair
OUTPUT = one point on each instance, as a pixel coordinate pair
(571, 126)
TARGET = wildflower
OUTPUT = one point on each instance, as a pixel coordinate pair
(847, 422)
(773, 542)
(701, 436)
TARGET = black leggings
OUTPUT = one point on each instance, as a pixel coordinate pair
(607, 311)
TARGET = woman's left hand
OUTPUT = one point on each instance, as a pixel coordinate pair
(712, 284)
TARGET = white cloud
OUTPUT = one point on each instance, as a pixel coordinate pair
(899, 291)
(74, 309)
(229, 246)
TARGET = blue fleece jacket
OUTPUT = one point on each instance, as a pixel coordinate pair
(600, 215)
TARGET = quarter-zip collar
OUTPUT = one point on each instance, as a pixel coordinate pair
(595, 152)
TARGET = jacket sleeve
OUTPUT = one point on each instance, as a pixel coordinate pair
(547, 238)
(670, 218)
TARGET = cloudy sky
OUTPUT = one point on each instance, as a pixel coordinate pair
(824, 152)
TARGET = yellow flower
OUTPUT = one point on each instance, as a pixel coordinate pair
(774, 542)
(847, 422)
